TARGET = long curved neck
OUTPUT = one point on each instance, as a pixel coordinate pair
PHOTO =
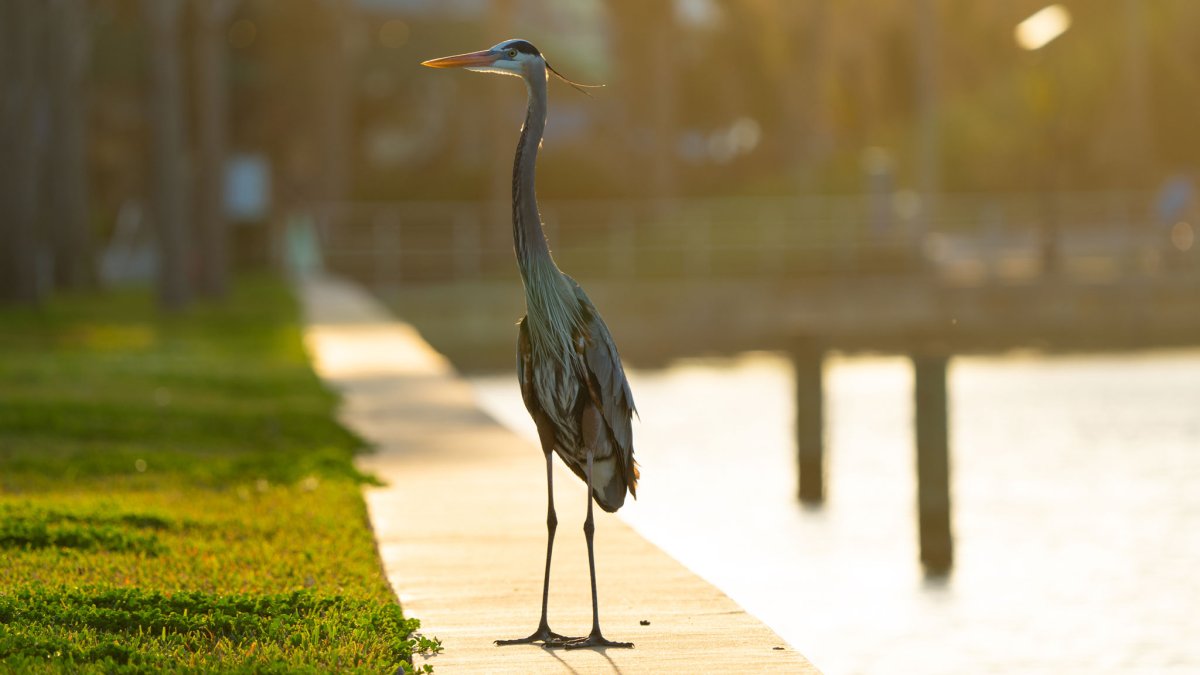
(550, 301)
(533, 254)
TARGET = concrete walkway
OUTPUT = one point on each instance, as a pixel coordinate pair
(461, 523)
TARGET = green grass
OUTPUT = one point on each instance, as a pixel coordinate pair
(175, 494)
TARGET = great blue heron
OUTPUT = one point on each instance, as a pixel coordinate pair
(567, 363)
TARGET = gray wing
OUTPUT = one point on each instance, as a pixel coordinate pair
(528, 394)
(610, 389)
(525, 369)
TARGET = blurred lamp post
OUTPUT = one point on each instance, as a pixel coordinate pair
(1033, 34)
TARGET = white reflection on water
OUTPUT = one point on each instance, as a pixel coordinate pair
(1076, 486)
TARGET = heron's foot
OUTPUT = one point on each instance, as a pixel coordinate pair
(595, 640)
(543, 634)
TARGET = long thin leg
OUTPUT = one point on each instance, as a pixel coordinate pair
(543, 632)
(595, 638)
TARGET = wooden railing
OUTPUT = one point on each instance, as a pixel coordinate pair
(972, 238)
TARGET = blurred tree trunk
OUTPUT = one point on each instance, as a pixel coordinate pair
(1140, 142)
(212, 108)
(662, 85)
(22, 134)
(805, 87)
(929, 145)
(644, 33)
(68, 212)
(167, 153)
(500, 24)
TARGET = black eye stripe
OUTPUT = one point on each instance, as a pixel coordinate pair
(522, 46)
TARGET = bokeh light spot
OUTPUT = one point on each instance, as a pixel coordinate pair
(1182, 236)
(1042, 27)
(745, 134)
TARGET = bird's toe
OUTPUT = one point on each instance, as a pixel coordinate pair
(544, 635)
(595, 640)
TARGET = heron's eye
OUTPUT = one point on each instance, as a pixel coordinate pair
(512, 53)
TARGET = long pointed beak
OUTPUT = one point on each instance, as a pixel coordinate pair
(483, 58)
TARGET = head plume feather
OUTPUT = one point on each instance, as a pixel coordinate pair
(578, 86)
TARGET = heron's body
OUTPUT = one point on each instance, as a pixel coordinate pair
(567, 361)
(571, 387)
(568, 367)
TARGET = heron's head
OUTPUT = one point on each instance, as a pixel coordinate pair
(511, 57)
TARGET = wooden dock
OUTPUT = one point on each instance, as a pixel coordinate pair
(461, 523)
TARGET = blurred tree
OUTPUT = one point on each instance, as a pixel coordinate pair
(67, 206)
(168, 153)
(23, 132)
(212, 115)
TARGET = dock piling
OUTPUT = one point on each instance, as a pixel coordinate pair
(933, 462)
(807, 359)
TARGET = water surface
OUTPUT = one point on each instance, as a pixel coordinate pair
(1076, 487)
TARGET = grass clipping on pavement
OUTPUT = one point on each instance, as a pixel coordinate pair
(176, 494)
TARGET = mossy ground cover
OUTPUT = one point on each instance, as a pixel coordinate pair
(175, 494)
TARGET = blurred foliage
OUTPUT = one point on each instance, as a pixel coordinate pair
(703, 97)
(821, 82)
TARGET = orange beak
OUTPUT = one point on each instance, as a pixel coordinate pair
(483, 58)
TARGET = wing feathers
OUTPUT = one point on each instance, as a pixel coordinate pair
(607, 385)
